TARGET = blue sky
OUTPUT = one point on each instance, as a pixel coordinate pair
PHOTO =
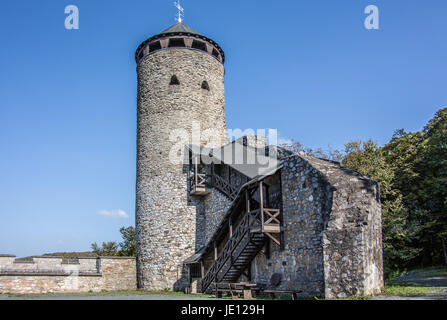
(307, 68)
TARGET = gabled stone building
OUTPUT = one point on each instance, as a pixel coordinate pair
(239, 211)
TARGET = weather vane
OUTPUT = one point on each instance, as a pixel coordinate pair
(180, 15)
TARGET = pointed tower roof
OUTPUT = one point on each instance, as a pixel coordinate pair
(180, 27)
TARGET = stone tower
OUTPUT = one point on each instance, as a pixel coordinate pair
(180, 86)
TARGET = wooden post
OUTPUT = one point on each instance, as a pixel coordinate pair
(230, 222)
(281, 217)
(229, 175)
(196, 173)
(247, 294)
(247, 197)
(261, 202)
(202, 267)
(215, 251)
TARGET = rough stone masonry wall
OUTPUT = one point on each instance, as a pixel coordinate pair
(353, 260)
(166, 222)
(215, 206)
(305, 203)
(50, 275)
(332, 221)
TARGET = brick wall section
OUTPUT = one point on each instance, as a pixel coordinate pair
(49, 275)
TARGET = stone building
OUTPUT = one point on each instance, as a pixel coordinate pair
(212, 211)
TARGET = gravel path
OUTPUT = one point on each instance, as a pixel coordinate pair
(104, 297)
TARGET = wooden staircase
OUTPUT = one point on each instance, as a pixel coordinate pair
(257, 225)
(250, 236)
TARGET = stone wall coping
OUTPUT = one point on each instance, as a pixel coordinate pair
(49, 273)
(119, 258)
(60, 257)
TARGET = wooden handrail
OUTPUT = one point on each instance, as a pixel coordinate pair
(198, 180)
(242, 230)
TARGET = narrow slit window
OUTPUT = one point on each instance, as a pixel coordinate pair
(205, 85)
(174, 81)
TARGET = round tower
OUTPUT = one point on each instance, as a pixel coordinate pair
(180, 87)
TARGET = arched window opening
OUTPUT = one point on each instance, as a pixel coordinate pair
(205, 85)
(174, 81)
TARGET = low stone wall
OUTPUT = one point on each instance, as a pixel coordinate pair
(58, 275)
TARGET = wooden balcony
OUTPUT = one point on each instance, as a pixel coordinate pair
(198, 185)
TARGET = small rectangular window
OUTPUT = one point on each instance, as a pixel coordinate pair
(199, 45)
(176, 42)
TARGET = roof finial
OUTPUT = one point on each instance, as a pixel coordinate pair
(180, 15)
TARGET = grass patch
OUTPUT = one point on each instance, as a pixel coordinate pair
(407, 290)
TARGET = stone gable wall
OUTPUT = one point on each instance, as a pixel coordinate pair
(305, 202)
(333, 232)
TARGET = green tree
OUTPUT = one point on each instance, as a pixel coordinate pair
(435, 186)
(107, 249)
(128, 248)
(399, 233)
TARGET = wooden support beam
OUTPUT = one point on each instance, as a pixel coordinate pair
(202, 267)
(273, 238)
(196, 172)
(229, 175)
(230, 224)
(215, 251)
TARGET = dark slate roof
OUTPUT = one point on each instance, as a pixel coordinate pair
(179, 27)
(245, 159)
(195, 257)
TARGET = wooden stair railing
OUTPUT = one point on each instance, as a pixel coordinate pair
(226, 188)
(214, 274)
(197, 180)
(248, 238)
